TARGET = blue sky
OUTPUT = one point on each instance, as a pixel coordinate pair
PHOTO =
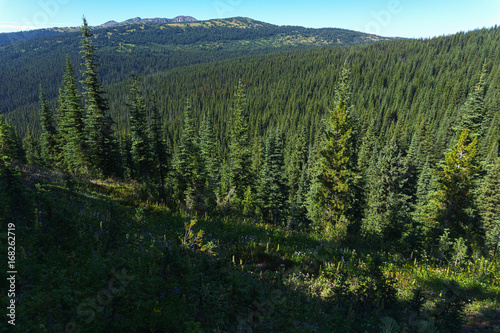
(403, 18)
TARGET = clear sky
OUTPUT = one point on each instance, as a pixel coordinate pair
(403, 18)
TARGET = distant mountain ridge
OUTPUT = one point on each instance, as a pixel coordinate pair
(11, 37)
(138, 20)
(148, 48)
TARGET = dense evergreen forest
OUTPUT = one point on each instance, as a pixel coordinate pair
(328, 189)
(150, 48)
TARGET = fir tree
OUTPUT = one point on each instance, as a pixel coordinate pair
(101, 150)
(298, 207)
(48, 137)
(126, 156)
(159, 150)
(488, 203)
(189, 170)
(248, 202)
(208, 147)
(224, 188)
(472, 117)
(331, 196)
(424, 184)
(239, 153)
(367, 149)
(8, 149)
(71, 123)
(32, 149)
(295, 165)
(257, 153)
(139, 134)
(387, 217)
(272, 188)
(455, 184)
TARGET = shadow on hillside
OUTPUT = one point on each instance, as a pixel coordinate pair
(84, 239)
(451, 309)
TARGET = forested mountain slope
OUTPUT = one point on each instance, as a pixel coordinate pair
(150, 48)
(399, 88)
(331, 189)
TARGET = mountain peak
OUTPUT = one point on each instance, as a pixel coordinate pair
(138, 20)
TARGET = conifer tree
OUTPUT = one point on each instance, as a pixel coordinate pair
(455, 185)
(8, 149)
(224, 188)
(189, 169)
(426, 141)
(272, 188)
(298, 207)
(248, 202)
(387, 220)
(71, 123)
(473, 112)
(331, 196)
(208, 148)
(295, 165)
(488, 203)
(411, 163)
(48, 137)
(126, 156)
(184, 157)
(101, 149)
(257, 153)
(424, 184)
(490, 147)
(159, 150)
(239, 152)
(139, 134)
(367, 149)
(32, 149)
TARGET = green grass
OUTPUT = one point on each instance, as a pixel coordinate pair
(202, 273)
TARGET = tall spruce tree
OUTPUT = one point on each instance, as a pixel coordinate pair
(189, 170)
(424, 184)
(239, 152)
(48, 136)
(139, 133)
(208, 147)
(298, 207)
(455, 187)
(101, 148)
(272, 188)
(71, 123)
(488, 203)
(387, 219)
(297, 180)
(32, 148)
(8, 149)
(159, 149)
(473, 113)
(331, 195)
(298, 158)
(126, 156)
